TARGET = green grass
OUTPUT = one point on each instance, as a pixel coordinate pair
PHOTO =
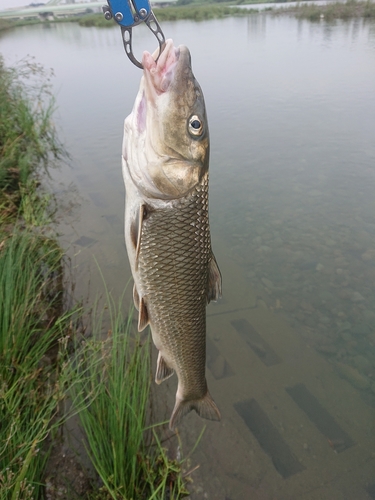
(109, 380)
(31, 322)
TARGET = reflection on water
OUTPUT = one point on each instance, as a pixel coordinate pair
(291, 350)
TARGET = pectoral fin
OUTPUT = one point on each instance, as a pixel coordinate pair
(135, 297)
(163, 371)
(214, 281)
(136, 232)
(143, 319)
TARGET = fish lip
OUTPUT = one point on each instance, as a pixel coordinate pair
(159, 73)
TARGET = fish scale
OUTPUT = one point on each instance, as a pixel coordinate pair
(171, 270)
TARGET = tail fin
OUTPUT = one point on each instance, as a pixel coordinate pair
(205, 407)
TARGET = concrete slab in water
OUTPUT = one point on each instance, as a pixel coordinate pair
(260, 347)
(338, 439)
(269, 438)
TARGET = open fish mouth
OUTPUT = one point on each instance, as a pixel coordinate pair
(160, 74)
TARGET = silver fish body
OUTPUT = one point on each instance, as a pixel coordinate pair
(165, 168)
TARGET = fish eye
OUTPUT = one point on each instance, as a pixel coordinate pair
(195, 125)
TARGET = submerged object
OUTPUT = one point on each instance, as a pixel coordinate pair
(165, 167)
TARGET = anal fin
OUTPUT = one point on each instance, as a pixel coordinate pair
(214, 281)
(163, 371)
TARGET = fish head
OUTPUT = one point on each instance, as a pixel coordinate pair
(166, 140)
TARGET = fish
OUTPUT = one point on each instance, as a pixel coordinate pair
(165, 160)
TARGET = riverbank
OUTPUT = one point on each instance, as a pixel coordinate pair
(51, 353)
(31, 270)
(336, 10)
(200, 12)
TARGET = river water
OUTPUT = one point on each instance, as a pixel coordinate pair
(291, 346)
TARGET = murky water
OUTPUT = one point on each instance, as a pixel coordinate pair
(291, 346)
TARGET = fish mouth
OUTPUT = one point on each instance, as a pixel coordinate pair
(160, 73)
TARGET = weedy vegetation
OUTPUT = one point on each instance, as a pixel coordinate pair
(31, 313)
(28, 141)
